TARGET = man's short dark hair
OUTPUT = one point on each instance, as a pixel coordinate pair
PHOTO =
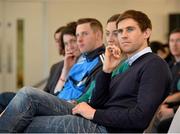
(94, 23)
(113, 18)
(176, 30)
(59, 30)
(141, 18)
(156, 46)
(69, 29)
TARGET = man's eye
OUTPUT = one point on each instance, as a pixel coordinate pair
(73, 41)
(107, 34)
(77, 35)
(119, 31)
(178, 40)
(130, 29)
(115, 34)
(84, 33)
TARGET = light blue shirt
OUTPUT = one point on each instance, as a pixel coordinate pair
(131, 59)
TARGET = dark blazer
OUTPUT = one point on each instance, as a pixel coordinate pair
(5, 98)
(54, 75)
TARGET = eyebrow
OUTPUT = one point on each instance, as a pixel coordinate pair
(127, 27)
(112, 31)
(121, 29)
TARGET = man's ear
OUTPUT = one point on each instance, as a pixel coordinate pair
(147, 33)
(98, 35)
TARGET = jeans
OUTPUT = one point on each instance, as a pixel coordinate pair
(48, 113)
(67, 123)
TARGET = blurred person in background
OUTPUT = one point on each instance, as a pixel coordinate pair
(162, 51)
(171, 103)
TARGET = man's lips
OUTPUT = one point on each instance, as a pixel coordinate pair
(81, 45)
(125, 42)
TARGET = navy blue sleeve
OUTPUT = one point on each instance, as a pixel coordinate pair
(101, 92)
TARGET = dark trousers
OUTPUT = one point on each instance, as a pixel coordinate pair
(5, 98)
(164, 125)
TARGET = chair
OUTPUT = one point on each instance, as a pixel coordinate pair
(174, 127)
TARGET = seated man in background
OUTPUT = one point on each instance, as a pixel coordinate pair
(157, 48)
(123, 103)
(76, 78)
(58, 42)
(111, 32)
(112, 40)
(162, 50)
(171, 103)
(56, 68)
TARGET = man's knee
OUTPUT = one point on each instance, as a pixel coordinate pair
(25, 93)
(28, 91)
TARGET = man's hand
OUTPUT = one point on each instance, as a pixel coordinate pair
(84, 110)
(69, 60)
(173, 97)
(165, 112)
(113, 57)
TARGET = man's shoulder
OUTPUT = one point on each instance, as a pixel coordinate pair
(151, 61)
(57, 65)
(151, 57)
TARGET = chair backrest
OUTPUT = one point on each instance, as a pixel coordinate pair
(175, 127)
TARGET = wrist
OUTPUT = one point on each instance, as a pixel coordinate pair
(64, 74)
(107, 70)
(93, 113)
(62, 79)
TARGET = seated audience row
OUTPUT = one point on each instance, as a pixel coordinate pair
(118, 91)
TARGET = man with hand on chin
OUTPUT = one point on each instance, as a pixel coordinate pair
(128, 101)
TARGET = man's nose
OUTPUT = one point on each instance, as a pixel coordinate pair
(124, 34)
(79, 38)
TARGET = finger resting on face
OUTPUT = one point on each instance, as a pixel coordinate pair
(109, 48)
(117, 56)
(68, 52)
(114, 51)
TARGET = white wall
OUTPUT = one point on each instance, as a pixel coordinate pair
(34, 46)
(1, 47)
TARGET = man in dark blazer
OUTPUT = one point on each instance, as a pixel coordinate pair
(54, 75)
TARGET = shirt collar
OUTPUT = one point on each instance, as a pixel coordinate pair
(137, 55)
(91, 55)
